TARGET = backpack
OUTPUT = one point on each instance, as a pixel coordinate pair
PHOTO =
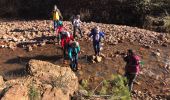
(133, 61)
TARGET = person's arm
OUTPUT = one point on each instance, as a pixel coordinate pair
(102, 34)
(125, 58)
(74, 22)
(62, 43)
(78, 49)
(90, 34)
(60, 15)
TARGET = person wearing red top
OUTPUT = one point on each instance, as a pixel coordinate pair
(59, 31)
(65, 39)
(132, 67)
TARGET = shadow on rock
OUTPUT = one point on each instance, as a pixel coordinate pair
(25, 60)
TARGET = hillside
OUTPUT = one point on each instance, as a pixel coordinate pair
(22, 41)
(149, 14)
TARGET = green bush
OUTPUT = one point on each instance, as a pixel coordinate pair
(33, 93)
(119, 89)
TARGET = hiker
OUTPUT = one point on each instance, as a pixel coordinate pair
(73, 51)
(60, 31)
(132, 67)
(66, 37)
(96, 34)
(76, 26)
(56, 16)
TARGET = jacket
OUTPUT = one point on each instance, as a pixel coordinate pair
(132, 64)
(65, 40)
(73, 52)
(93, 35)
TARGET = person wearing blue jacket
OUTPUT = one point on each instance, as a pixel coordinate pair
(73, 51)
(96, 34)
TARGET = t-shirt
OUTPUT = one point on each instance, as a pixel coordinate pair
(97, 37)
(56, 15)
(76, 22)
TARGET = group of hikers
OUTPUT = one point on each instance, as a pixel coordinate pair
(72, 47)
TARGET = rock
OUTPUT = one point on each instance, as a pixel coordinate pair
(1, 81)
(156, 53)
(42, 44)
(15, 39)
(98, 59)
(45, 71)
(148, 46)
(55, 94)
(16, 92)
(83, 92)
(165, 45)
(29, 48)
(47, 80)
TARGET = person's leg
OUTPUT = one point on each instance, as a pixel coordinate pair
(95, 48)
(80, 31)
(132, 78)
(55, 24)
(64, 52)
(98, 49)
(74, 31)
(76, 62)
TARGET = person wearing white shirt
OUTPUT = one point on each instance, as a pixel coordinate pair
(76, 26)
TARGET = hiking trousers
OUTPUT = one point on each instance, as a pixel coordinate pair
(75, 28)
(130, 78)
(74, 62)
(65, 50)
(55, 24)
(96, 46)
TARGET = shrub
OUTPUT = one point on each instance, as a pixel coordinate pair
(33, 93)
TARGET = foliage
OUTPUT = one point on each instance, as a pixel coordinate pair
(84, 83)
(33, 93)
(114, 88)
(119, 90)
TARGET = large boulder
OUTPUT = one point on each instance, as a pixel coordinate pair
(16, 92)
(47, 81)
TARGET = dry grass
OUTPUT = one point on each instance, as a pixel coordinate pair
(167, 23)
